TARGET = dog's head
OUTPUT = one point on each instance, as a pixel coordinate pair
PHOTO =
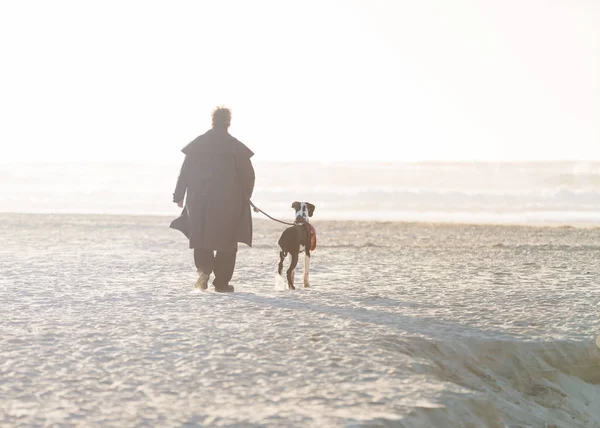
(304, 210)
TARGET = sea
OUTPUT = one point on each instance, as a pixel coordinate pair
(566, 193)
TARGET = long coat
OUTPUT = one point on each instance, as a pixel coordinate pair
(218, 175)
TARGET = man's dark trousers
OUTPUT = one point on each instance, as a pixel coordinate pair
(222, 264)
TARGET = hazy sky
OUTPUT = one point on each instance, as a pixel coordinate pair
(322, 80)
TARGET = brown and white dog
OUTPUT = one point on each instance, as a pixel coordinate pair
(296, 239)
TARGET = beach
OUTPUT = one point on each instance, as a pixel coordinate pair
(445, 152)
(404, 325)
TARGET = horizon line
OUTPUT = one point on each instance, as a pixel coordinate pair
(289, 162)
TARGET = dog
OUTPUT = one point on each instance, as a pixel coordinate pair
(296, 239)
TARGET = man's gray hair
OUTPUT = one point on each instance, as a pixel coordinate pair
(221, 117)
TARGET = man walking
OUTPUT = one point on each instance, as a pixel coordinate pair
(218, 175)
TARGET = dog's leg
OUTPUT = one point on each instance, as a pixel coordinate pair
(290, 271)
(306, 269)
(280, 266)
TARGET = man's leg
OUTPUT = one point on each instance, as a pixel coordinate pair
(204, 261)
(223, 268)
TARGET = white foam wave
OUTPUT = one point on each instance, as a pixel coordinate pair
(538, 192)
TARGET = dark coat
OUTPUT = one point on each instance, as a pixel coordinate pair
(219, 178)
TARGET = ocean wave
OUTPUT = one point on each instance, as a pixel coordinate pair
(559, 193)
(466, 192)
(391, 188)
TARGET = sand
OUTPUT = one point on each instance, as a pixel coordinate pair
(405, 325)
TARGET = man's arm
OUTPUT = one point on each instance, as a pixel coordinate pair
(246, 175)
(181, 186)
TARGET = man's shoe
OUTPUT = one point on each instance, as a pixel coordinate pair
(202, 282)
(225, 289)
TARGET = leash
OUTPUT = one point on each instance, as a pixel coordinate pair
(258, 210)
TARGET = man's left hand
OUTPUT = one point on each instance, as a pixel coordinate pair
(180, 204)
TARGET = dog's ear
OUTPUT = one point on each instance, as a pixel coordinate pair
(311, 209)
(296, 205)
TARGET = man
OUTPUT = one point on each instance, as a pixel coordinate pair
(219, 178)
